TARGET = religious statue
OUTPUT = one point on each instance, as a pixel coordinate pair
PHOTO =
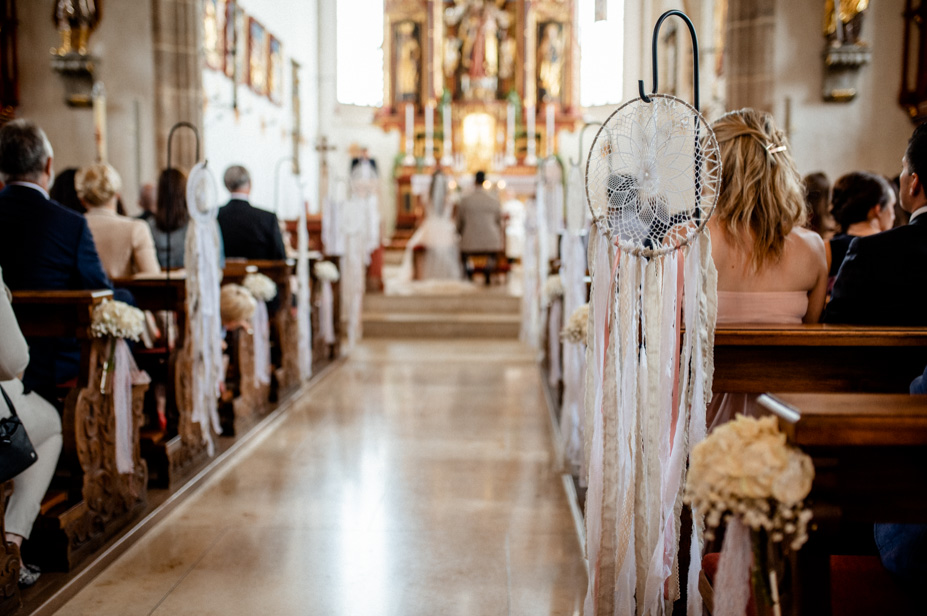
(409, 54)
(78, 17)
(550, 63)
(476, 46)
(844, 27)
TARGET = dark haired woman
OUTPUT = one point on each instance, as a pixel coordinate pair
(863, 204)
(64, 191)
(169, 224)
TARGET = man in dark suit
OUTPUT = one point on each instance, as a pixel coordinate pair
(43, 245)
(248, 232)
(883, 279)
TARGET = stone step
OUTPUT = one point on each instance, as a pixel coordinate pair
(423, 325)
(475, 303)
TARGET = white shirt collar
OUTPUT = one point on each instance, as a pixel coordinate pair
(31, 185)
(239, 195)
(917, 213)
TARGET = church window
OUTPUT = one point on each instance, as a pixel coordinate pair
(359, 52)
(601, 48)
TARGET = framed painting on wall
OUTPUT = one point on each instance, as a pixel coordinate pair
(231, 37)
(257, 57)
(214, 34)
(275, 71)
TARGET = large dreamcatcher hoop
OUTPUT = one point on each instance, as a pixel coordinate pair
(653, 175)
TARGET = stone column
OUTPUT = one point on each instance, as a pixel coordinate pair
(177, 35)
(749, 54)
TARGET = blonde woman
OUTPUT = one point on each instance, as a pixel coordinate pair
(770, 269)
(124, 244)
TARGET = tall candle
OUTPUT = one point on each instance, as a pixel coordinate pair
(410, 139)
(510, 135)
(429, 134)
(550, 130)
(98, 95)
(532, 157)
(447, 158)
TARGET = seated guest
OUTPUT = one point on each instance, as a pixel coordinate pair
(42, 424)
(864, 204)
(147, 202)
(247, 232)
(770, 268)
(169, 223)
(42, 245)
(817, 198)
(62, 191)
(883, 280)
(124, 244)
(479, 222)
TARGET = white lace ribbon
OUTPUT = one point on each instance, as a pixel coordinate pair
(732, 583)
(303, 304)
(554, 325)
(261, 335)
(125, 375)
(327, 313)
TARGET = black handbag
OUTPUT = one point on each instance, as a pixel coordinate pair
(16, 450)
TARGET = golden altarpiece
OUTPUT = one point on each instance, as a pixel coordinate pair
(476, 84)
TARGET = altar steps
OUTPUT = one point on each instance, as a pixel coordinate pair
(480, 314)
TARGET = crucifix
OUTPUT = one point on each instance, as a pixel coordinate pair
(323, 147)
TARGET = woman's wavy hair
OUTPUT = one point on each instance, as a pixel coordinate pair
(172, 211)
(761, 197)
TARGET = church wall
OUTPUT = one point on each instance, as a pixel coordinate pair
(123, 44)
(259, 135)
(345, 125)
(868, 133)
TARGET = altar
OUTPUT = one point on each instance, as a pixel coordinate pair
(476, 85)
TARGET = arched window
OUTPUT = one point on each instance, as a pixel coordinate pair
(359, 52)
(601, 46)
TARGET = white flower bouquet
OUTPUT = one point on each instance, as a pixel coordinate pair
(553, 289)
(326, 271)
(575, 330)
(260, 286)
(117, 320)
(744, 471)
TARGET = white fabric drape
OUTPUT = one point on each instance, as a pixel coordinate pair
(125, 375)
(531, 281)
(327, 313)
(554, 325)
(203, 274)
(572, 275)
(437, 234)
(260, 326)
(303, 302)
(732, 583)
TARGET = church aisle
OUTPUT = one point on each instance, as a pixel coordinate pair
(414, 480)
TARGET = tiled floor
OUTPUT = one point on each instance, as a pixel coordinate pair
(415, 480)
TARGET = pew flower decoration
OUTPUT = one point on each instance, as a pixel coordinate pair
(326, 271)
(744, 474)
(575, 330)
(260, 286)
(117, 320)
(553, 289)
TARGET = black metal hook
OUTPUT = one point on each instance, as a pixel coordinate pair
(656, 34)
(170, 138)
(582, 133)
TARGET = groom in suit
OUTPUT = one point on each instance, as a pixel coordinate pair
(43, 246)
(883, 280)
(248, 232)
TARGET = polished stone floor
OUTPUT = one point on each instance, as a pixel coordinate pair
(417, 479)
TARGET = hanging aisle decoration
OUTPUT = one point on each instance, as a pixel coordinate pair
(652, 179)
(203, 274)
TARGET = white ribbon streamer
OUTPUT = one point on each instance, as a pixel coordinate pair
(732, 583)
(554, 325)
(261, 335)
(125, 375)
(326, 313)
(572, 273)
(303, 302)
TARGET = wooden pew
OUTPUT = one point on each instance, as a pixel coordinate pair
(870, 458)
(10, 599)
(100, 501)
(818, 358)
(172, 454)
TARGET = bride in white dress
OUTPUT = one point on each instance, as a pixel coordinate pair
(437, 235)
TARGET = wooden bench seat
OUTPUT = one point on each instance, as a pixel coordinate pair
(100, 501)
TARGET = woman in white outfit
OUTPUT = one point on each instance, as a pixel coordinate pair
(42, 424)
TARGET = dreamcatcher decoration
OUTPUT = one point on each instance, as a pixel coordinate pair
(203, 345)
(573, 275)
(652, 181)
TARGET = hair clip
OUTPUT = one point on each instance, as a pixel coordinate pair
(775, 150)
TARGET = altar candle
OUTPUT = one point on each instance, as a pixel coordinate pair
(550, 129)
(98, 95)
(447, 156)
(532, 157)
(429, 134)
